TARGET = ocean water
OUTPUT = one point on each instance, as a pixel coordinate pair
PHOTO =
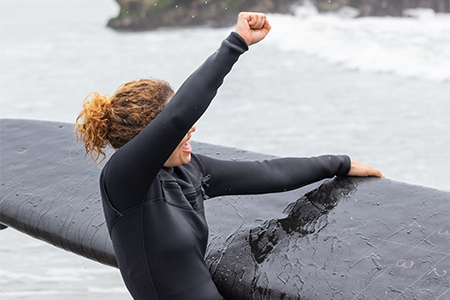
(377, 89)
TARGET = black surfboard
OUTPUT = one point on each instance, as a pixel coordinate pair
(344, 238)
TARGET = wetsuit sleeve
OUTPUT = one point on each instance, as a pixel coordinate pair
(132, 169)
(268, 176)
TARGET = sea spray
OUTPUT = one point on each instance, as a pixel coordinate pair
(416, 47)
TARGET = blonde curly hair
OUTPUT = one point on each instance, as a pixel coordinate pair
(115, 120)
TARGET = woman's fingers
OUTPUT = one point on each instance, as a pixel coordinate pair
(360, 169)
(256, 20)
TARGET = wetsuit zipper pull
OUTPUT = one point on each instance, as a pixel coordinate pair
(205, 185)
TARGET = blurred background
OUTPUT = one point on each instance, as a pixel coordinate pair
(370, 81)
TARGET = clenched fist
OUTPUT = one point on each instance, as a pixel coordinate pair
(252, 27)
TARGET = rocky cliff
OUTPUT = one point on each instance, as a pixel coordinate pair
(151, 14)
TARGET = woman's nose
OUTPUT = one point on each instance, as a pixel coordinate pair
(192, 129)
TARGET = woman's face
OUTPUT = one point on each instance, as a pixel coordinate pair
(182, 154)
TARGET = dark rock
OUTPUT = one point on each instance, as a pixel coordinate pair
(151, 14)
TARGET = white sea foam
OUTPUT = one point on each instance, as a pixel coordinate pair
(34, 293)
(12, 276)
(417, 47)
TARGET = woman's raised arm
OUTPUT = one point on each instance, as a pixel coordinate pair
(134, 166)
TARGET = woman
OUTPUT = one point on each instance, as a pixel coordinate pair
(153, 188)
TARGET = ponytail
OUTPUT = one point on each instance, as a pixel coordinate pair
(116, 120)
(92, 125)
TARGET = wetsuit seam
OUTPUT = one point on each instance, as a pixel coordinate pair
(179, 206)
(123, 213)
(144, 249)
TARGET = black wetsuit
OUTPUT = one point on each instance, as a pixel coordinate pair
(155, 214)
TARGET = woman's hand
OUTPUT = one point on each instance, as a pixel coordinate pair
(252, 27)
(360, 169)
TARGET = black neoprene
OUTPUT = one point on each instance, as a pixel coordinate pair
(155, 215)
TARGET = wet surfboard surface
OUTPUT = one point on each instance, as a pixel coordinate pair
(342, 238)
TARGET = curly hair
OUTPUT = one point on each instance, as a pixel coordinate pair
(116, 120)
